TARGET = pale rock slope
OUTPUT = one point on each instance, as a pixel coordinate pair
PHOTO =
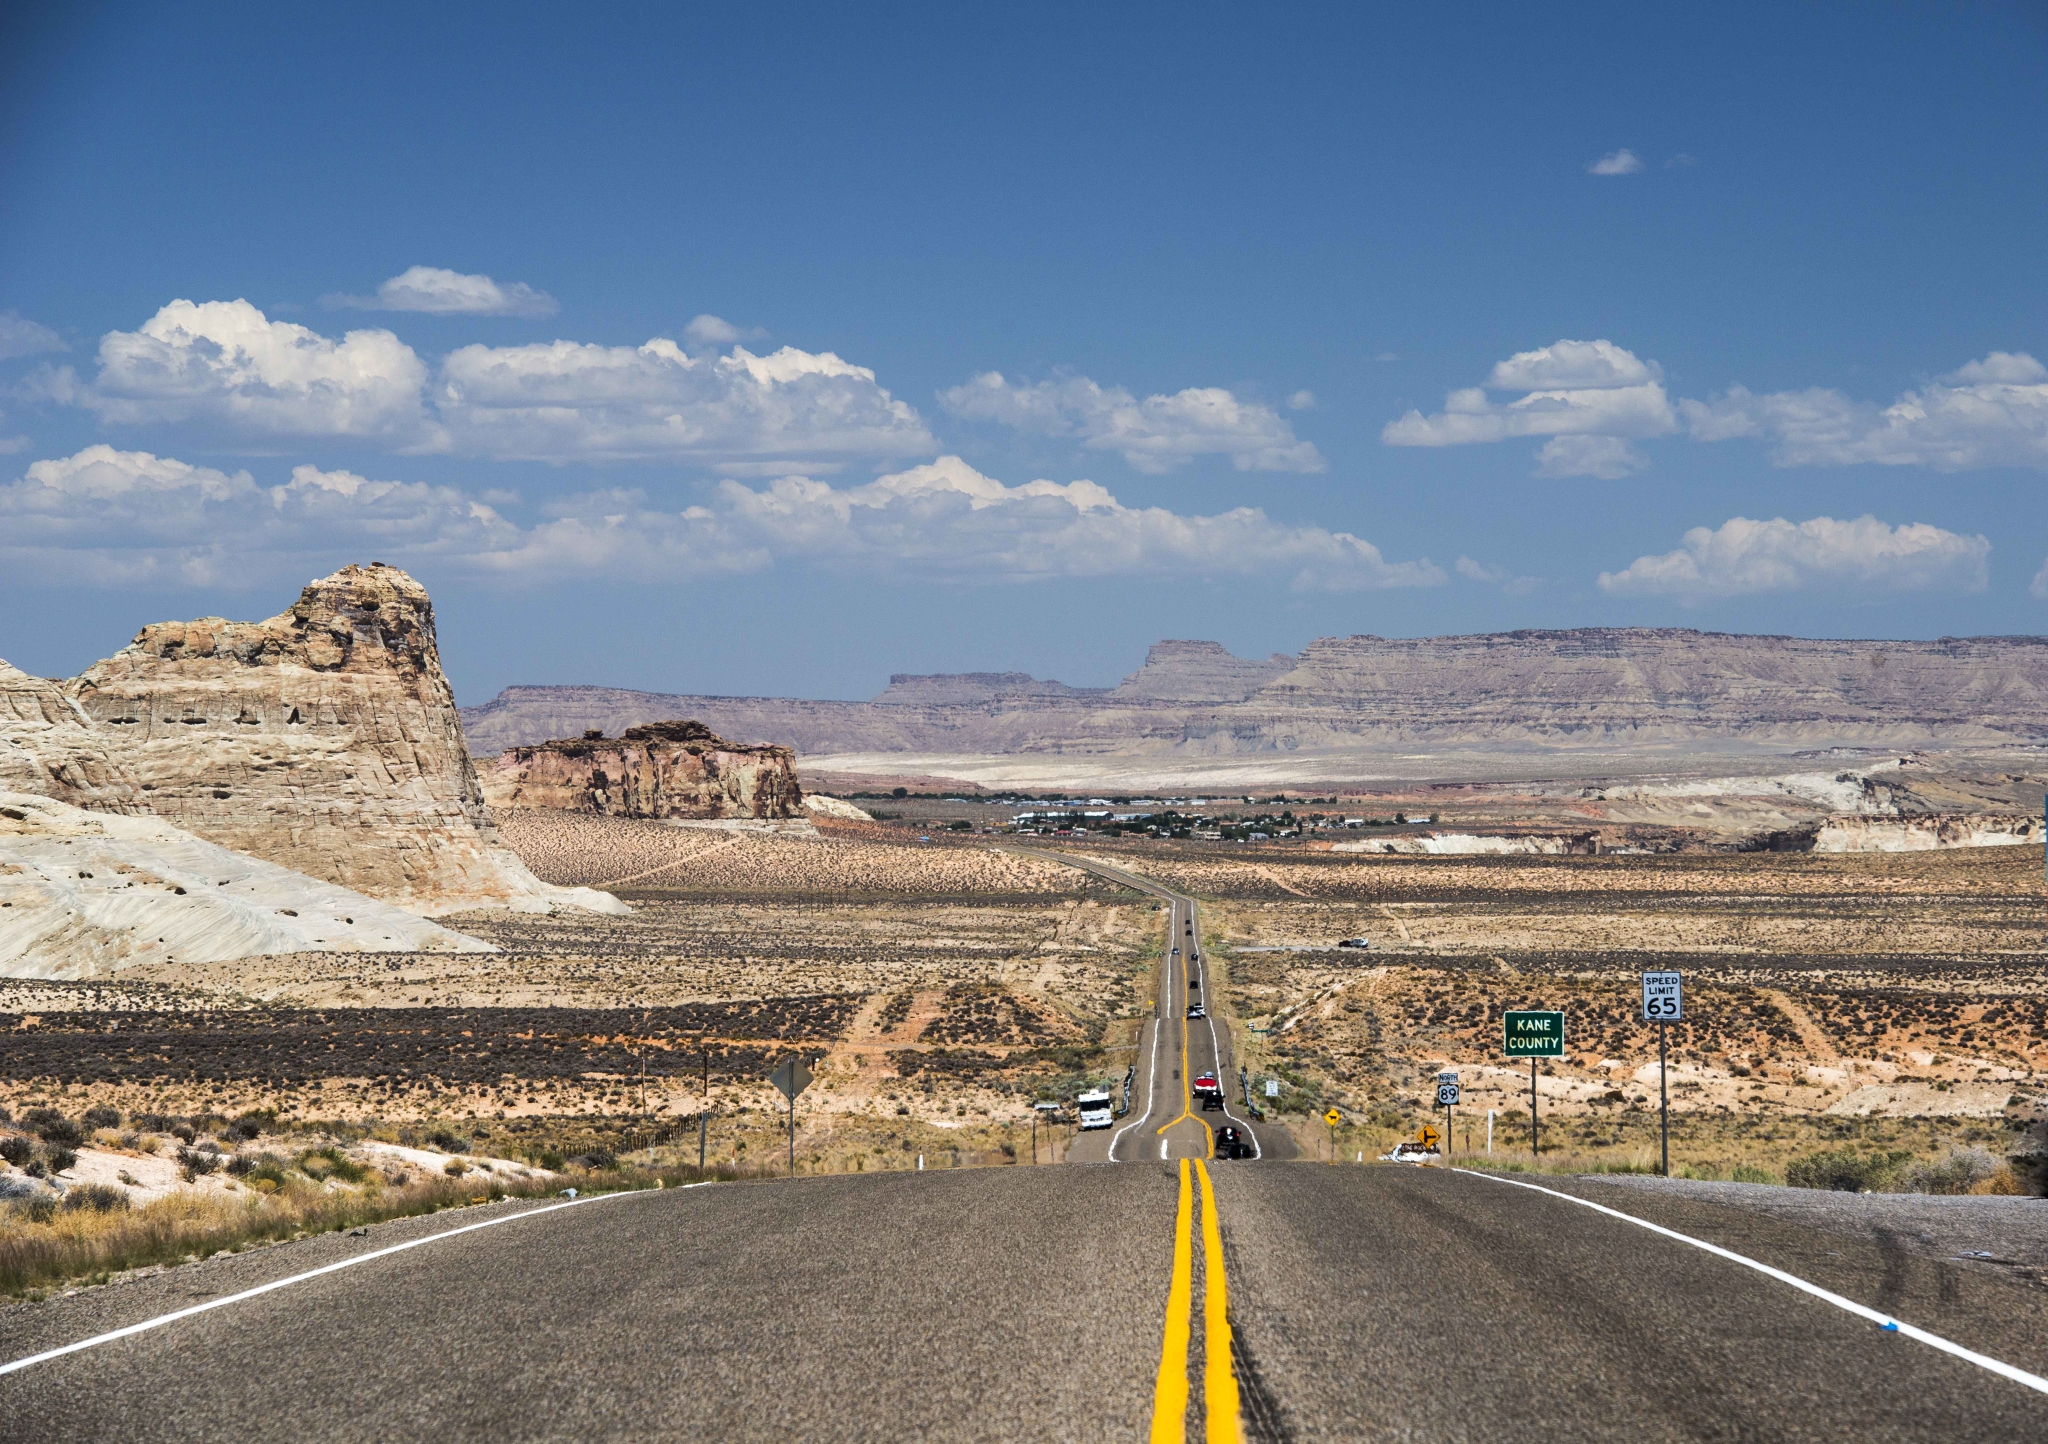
(325, 739)
(819, 805)
(84, 894)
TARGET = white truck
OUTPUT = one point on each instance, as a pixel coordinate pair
(1095, 1108)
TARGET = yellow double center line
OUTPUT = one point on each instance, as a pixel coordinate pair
(1219, 1380)
(1187, 1097)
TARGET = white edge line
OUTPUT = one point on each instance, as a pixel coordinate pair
(220, 1303)
(1882, 1320)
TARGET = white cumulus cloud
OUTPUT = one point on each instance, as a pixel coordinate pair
(710, 330)
(1607, 457)
(1569, 388)
(20, 336)
(566, 401)
(122, 517)
(118, 517)
(1617, 162)
(1743, 557)
(439, 292)
(1154, 435)
(225, 367)
(1992, 412)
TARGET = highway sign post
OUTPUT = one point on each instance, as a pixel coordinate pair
(1447, 1099)
(1045, 1111)
(1533, 1035)
(1427, 1135)
(1333, 1118)
(1663, 1004)
(791, 1077)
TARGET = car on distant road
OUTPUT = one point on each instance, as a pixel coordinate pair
(1230, 1143)
(1353, 943)
(1208, 1090)
(1196, 1010)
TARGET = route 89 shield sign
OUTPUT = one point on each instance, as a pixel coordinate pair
(1446, 1090)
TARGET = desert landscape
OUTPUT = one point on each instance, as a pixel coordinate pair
(274, 925)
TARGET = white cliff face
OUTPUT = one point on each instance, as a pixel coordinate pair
(1924, 834)
(325, 739)
(84, 894)
(48, 746)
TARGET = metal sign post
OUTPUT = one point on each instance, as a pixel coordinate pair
(791, 1077)
(1048, 1111)
(1663, 1004)
(1447, 1099)
(1533, 1035)
(1333, 1118)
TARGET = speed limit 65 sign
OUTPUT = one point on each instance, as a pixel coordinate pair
(1663, 998)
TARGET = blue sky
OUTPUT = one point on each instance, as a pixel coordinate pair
(711, 351)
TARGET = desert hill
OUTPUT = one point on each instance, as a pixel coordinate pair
(1588, 689)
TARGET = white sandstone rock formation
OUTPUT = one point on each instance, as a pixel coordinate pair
(325, 739)
(823, 806)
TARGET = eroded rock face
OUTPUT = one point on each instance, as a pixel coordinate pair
(49, 747)
(1650, 689)
(325, 739)
(663, 769)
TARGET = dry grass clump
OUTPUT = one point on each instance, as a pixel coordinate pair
(576, 849)
(44, 1243)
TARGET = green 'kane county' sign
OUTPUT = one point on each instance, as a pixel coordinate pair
(1533, 1035)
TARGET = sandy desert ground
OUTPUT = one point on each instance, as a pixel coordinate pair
(1898, 999)
(1885, 1001)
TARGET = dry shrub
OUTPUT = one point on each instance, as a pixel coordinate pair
(40, 1247)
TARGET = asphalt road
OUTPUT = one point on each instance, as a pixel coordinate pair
(1362, 1303)
(1166, 1122)
(1159, 1297)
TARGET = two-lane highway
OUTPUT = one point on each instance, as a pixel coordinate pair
(1167, 1121)
(1141, 1301)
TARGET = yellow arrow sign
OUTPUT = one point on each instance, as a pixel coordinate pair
(1333, 1118)
(1428, 1137)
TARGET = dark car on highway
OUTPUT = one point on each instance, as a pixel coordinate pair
(1230, 1143)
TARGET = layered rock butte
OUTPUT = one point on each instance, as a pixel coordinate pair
(676, 769)
(325, 739)
(1590, 689)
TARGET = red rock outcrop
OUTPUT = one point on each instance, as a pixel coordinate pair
(325, 739)
(662, 769)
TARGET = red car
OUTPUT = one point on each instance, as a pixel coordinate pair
(1208, 1090)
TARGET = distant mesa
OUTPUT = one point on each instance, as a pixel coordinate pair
(677, 769)
(1653, 692)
